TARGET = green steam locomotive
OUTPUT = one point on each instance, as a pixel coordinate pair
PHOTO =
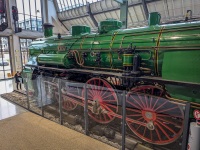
(144, 60)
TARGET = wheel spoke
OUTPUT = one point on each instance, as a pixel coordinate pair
(170, 122)
(69, 104)
(90, 95)
(155, 103)
(135, 115)
(135, 99)
(166, 126)
(135, 110)
(110, 105)
(141, 100)
(140, 124)
(109, 101)
(169, 116)
(132, 104)
(144, 131)
(151, 102)
(168, 109)
(161, 93)
(104, 97)
(160, 105)
(151, 135)
(158, 134)
(104, 92)
(108, 115)
(146, 100)
(107, 108)
(163, 131)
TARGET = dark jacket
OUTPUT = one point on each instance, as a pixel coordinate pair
(18, 78)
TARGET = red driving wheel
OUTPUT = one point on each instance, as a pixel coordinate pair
(102, 100)
(159, 121)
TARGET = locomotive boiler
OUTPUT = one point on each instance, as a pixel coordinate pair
(145, 60)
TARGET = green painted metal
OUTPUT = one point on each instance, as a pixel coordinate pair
(48, 29)
(55, 59)
(154, 18)
(170, 51)
(127, 59)
(48, 32)
(178, 66)
(109, 25)
(80, 30)
(182, 66)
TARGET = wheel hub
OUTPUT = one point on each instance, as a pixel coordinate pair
(96, 107)
(149, 115)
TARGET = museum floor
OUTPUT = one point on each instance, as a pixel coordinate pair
(23, 130)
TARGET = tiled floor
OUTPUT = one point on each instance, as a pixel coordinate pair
(6, 86)
(8, 109)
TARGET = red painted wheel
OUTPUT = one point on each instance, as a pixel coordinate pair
(102, 100)
(72, 92)
(68, 105)
(159, 121)
(150, 89)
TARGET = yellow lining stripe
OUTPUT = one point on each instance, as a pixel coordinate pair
(111, 44)
(156, 50)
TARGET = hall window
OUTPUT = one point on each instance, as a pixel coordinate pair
(30, 15)
(24, 44)
(5, 59)
(70, 4)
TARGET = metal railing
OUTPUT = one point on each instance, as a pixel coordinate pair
(118, 117)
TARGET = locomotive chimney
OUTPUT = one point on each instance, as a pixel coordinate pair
(154, 18)
(48, 29)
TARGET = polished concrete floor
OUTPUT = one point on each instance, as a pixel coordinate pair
(8, 109)
(6, 86)
(27, 131)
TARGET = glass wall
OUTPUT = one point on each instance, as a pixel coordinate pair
(24, 43)
(70, 4)
(3, 16)
(30, 15)
(5, 61)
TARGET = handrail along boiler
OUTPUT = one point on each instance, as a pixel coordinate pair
(124, 59)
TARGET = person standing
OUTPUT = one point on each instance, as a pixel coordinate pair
(18, 80)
